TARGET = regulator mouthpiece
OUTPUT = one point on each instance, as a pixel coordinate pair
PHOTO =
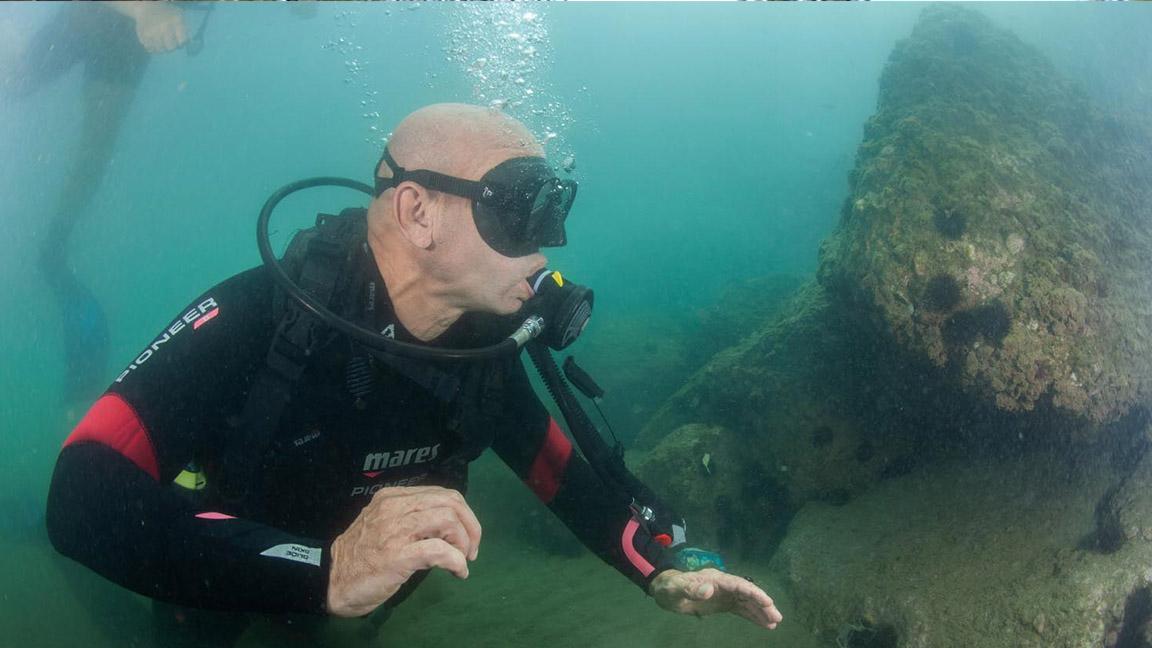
(564, 306)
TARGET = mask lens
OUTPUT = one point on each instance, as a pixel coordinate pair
(528, 208)
(545, 225)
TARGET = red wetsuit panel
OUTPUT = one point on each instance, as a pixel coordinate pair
(548, 467)
(114, 423)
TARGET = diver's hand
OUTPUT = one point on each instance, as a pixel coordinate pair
(709, 591)
(160, 26)
(401, 531)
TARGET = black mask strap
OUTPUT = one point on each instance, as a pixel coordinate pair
(384, 184)
(433, 180)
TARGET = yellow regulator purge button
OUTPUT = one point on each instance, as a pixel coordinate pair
(558, 278)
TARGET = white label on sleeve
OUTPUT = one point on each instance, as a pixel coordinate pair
(299, 553)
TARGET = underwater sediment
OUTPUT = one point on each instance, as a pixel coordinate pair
(995, 555)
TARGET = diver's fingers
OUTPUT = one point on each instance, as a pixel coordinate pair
(419, 498)
(434, 552)
(441, 522)
(767, 617)
(754, 604)
(173, 34)
(716, 591)
(148, 42)
(181, 32)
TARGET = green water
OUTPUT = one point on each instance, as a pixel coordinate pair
(712, 143)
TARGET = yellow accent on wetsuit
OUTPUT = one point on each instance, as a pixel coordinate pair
(191, 480)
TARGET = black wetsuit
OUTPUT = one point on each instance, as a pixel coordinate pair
(112, 506)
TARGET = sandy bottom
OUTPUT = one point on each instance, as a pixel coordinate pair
(524, 599)
(514, 597)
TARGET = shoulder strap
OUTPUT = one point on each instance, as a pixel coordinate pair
(479, 407)
(318, 257)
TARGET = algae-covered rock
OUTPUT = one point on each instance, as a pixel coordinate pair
(975, 556)
(823, 407)
(810, 417)
(998, 224)
(1124, 514)
(729, 503)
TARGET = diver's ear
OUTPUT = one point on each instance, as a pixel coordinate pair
(411, 206)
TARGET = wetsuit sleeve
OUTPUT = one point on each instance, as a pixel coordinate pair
(532, 444)
(112, 505)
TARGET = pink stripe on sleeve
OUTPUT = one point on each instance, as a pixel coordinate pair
(211, 515)
(634, 556)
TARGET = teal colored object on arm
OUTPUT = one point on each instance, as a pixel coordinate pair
(694, 559)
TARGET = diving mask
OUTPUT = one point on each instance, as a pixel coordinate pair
(519, 206)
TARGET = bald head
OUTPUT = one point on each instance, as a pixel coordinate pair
(428, 248)
(459, 139)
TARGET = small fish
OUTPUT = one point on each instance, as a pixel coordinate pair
(706, 461)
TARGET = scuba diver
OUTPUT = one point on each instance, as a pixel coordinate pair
(112, 41)
(318, 413)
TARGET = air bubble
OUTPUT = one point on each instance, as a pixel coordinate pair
(509, 78)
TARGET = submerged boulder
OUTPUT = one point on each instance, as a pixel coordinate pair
(811, 410)
(998, 224)
(820, 407)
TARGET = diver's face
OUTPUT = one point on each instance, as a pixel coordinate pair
(485, 280)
